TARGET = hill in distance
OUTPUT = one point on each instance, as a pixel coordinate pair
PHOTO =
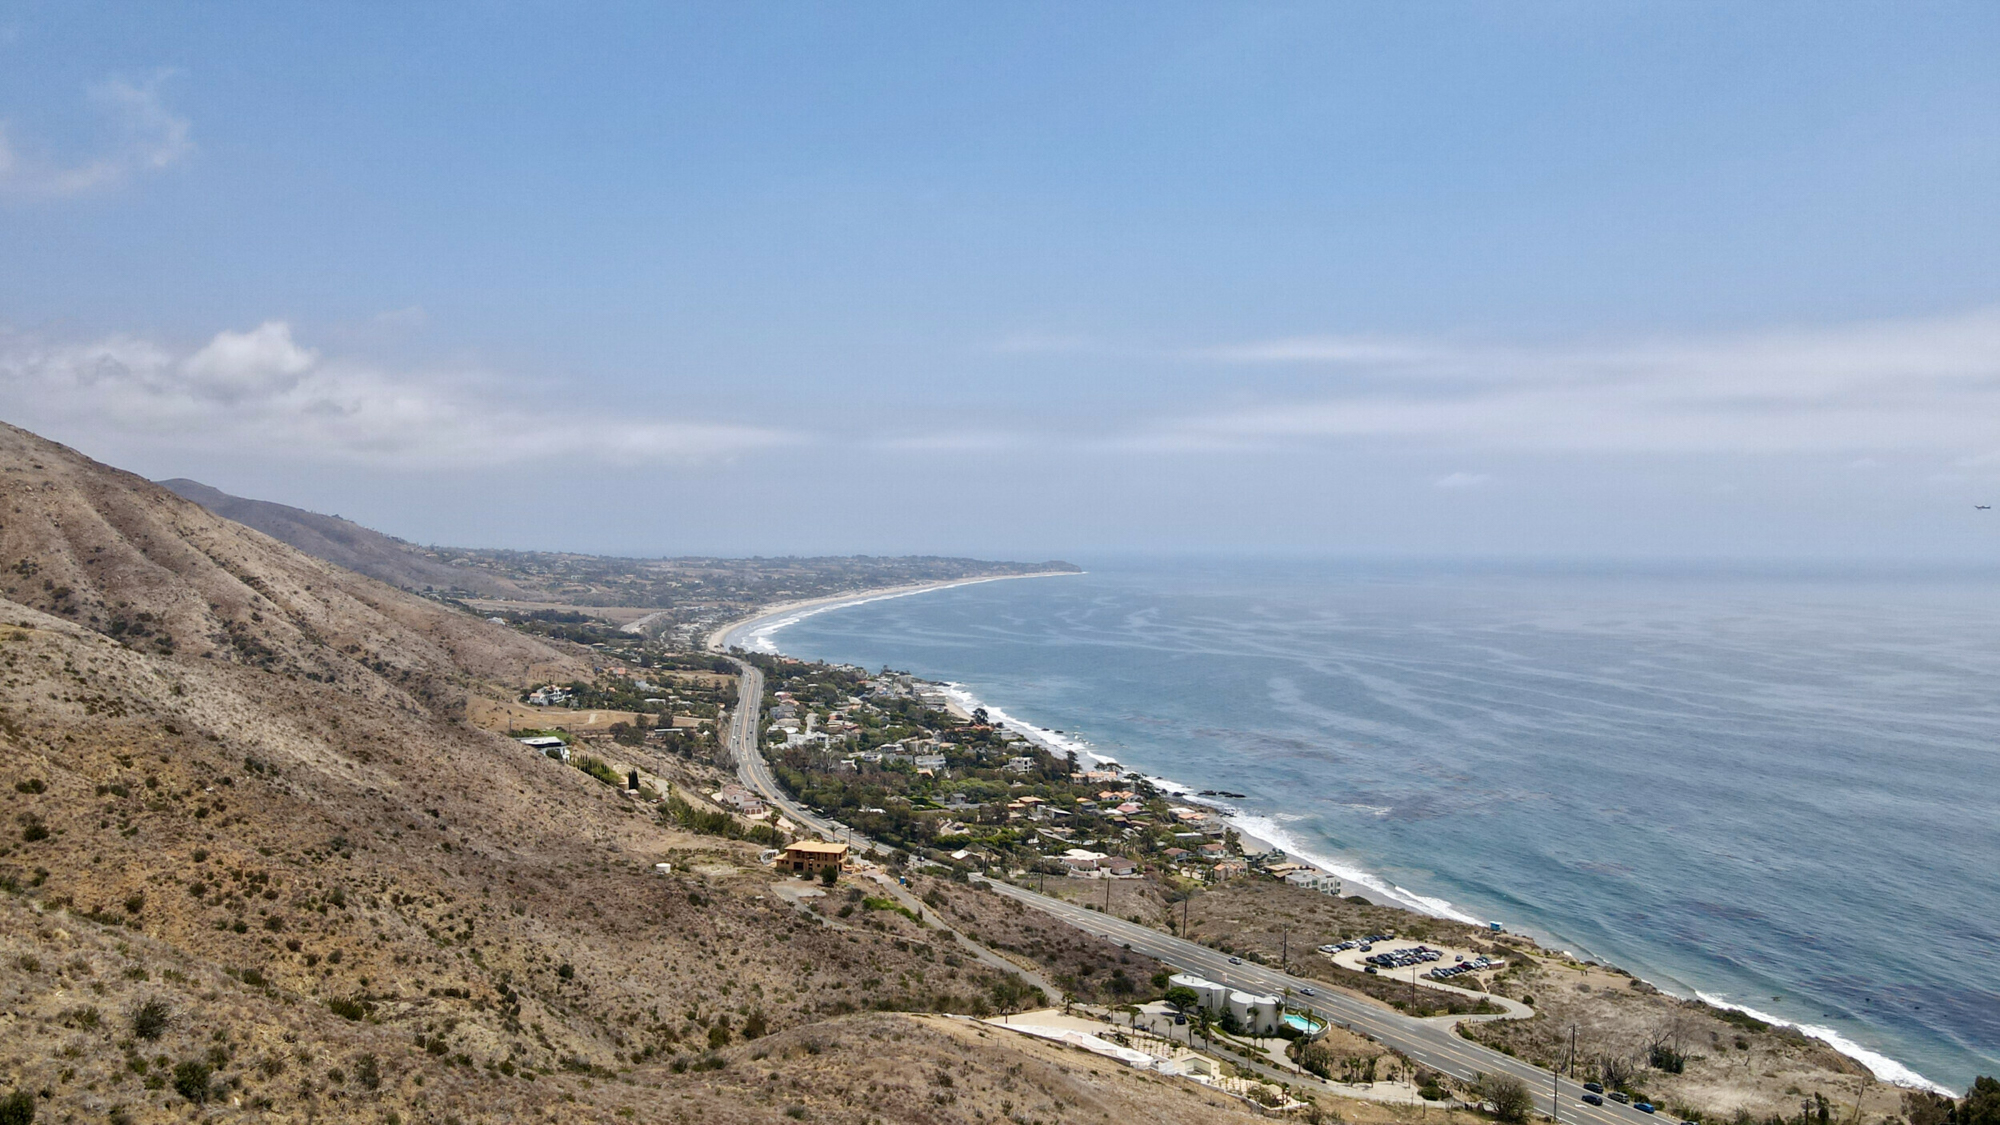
(346, 543)
(681, 598)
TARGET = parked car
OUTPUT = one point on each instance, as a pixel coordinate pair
(1592, 1099)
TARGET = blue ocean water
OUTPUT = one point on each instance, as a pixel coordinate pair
(1777, 790)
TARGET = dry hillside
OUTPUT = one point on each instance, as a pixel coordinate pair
(254, 863)
(346, 543)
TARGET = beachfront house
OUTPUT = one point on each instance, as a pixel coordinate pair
(1312, 879)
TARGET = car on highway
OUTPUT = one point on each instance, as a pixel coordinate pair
(1236, 960)
(1592, 1099)
(1307, 992)
(1643, 1107)
(1621, 1097)
(1593, 1087)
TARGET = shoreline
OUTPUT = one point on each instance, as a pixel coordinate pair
(1266, 831)
(719, 640)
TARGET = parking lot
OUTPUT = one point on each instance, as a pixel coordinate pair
(1390, 955)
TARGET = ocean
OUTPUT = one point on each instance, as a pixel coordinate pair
(1778, 790)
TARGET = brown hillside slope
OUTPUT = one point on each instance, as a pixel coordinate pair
(259, 871)
(129, 559)
(346, 543)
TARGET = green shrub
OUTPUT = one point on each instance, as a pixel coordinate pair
(191, 1080)
(599, 770)
(151, 1018)
(17, 1108)
(346, 1009)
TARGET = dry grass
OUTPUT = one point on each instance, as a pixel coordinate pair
(1731, 1064)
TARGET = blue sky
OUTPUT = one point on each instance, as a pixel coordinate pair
(1627, 280)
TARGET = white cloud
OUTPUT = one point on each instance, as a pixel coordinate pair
(1463, 480)
(1928, 385)
(261, 392)
(144, 136)
(238, 365)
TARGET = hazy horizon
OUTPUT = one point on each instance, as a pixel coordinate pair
(1672, 282)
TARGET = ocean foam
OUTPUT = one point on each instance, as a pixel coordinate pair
(1262, 827)
(1883, 1067)
(1054, 742)
(1268, 828)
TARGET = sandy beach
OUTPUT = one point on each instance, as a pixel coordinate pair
(721, 639)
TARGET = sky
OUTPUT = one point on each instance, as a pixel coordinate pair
(1646, 281)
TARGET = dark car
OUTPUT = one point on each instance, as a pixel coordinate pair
(1592, 1099)
(1593, 1087)
(1370, 969)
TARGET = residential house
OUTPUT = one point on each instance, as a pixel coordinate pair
(811, 855)
(1314, 880)
(1251, 1012)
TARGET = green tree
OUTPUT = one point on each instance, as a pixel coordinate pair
(1982, 1103)
(1181, 998)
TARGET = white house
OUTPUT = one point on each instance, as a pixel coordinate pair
(1314, 881)
(1255, 1014)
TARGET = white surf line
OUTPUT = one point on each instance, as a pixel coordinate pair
(1883, 1067)
(759, 628)
(1260, 827)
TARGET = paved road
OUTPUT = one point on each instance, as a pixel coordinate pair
(1433, 1042)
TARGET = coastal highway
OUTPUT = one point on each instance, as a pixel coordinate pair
(1433, 1042)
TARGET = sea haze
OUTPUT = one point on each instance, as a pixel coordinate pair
(1777, 790)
